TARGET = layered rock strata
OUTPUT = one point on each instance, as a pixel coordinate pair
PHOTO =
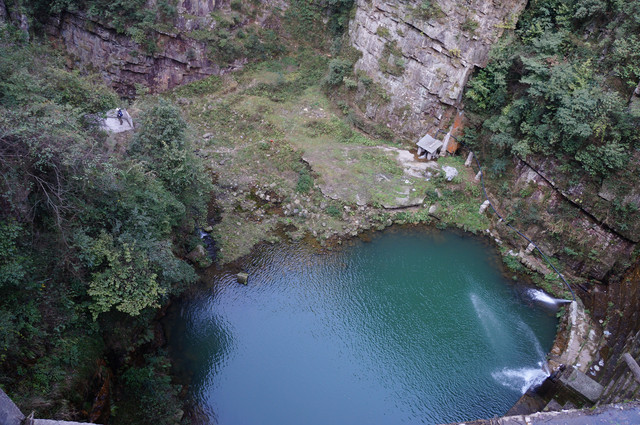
(422, 53)
(180, 51)
(123, 63)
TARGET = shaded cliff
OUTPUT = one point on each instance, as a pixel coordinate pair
(121, 60)
(576, 234)
(202, 38)
(617, 309)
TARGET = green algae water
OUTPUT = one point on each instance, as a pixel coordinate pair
(411, 327)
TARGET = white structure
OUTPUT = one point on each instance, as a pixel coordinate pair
(429, 147)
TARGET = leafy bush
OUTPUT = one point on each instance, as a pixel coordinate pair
(334, 211)
(544, 94)
(469, 25)
(428, 9)
(391, 61)
(165, 146)
(84, 229)
(150, 395)
(338, 69)
(208, 85)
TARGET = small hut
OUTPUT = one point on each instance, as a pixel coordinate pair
(429, 147)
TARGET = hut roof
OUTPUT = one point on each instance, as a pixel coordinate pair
(429, 144)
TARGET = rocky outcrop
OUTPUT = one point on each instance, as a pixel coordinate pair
(588, 249)
(423, 56)
(14, 14)
(173, 53)
(614, 203)
(10, 414)
(199, 8)
(123, 62)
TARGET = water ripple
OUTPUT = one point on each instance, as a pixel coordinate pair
(409, 328)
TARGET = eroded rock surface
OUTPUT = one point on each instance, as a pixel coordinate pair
(123, 63)
(597, 251)
(423, 58)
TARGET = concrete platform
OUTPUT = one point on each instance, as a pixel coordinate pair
(581, 384)
(9, 412)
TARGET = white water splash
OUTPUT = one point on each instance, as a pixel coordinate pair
(521, 379)
(517, 379)
(539, 295)
(524, 378)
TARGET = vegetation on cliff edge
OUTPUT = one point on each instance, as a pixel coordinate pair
(92, 231)
(556, 94)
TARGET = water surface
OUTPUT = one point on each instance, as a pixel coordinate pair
(412, 327)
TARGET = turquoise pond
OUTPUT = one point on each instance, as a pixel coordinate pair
(412, 326)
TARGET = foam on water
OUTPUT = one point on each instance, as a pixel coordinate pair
(517, 379)
(543, 297)
(521, 379)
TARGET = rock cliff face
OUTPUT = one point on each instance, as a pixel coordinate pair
(123, 63)
(13, 13)
(588, 249)
(617, 309)
(180, 56)
(423, 52)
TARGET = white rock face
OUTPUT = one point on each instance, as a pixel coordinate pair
(437, 55)
(450, 172)
(112, 124)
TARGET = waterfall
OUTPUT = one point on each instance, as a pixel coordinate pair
(521, 379)
(516, 378)
(209, 243)
(543, 297)
(524, 378)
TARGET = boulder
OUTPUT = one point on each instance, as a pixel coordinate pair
(199, 256)
(450, 172)
(114, 124)
(483, 207)
(242, 277)
(9, 412)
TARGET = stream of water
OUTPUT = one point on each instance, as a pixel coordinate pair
(411, 327)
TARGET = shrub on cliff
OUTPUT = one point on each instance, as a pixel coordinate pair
(164, 144)
(338, 69)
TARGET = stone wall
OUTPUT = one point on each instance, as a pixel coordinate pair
(436, 56)
(617, 309)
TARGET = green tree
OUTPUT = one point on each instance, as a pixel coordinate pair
(126, 279)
